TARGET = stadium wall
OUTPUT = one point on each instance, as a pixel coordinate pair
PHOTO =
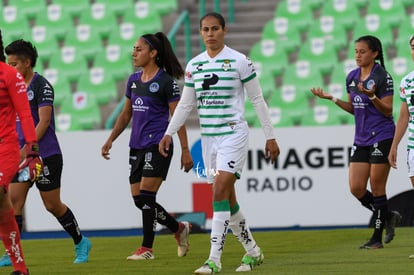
(307, 187)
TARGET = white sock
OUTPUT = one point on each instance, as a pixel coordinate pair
(219, 229)
(242, 232)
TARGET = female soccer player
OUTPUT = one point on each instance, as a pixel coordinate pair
(215, 81)
(405, 120)
(22, 55)
(370, 95)
(151, 96)
(13, 99)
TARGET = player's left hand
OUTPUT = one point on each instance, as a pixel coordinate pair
(272, 150)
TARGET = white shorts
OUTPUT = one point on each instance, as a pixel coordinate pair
(225, 153)
(410, 162)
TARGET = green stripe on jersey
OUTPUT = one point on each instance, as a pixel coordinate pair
(217, 134)
(217, 116)
(249, 78)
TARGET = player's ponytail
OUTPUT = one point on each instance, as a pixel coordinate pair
(166, 57)
(2, 56)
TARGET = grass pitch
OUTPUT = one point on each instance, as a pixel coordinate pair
(333, 251)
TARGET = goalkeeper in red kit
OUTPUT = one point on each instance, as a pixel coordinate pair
(14, 101)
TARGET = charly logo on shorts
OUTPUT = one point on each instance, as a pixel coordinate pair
(30, 94)
(154, 87)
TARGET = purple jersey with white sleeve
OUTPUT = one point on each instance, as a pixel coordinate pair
(150, 110)
(40, 93)
(371, 125)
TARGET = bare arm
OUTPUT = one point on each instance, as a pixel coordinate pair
(186, 159)
(344, 105)
(400, 130)
(120, 125)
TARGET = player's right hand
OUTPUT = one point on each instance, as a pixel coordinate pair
(32, 161)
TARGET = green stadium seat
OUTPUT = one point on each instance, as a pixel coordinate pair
(398, 67)
(163, 7)
(117, 63)
(60, 85)
(118, 7)
(249, 113)
(344, 12)
(391, 12)
(406, 32)
(320, 53)
(29, 8)
(281, 117)
(56, 21)
(98, 84)
(325, 113)
(302, 75)
(297, 12)
(266, 55)
(281, 31)
(145, 18)
(45, 43)
(80, 113)
(336, 85)
(267, 83)
(68, 64)
(14, 25)
(73, 8)
(374, 24)
(85, 40)
(100, 18)
(330, 30)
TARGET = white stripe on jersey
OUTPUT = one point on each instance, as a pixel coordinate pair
(407, 95)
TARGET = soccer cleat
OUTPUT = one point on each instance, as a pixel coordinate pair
(142, 253)
(5, 260)
(82, 251)
(17, 272)
(209, 267)
(371, 244)
(411, 257)
(390, 226)
(249, 261)
(182, 236)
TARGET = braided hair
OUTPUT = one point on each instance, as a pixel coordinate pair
(2, 56)
(374, 44)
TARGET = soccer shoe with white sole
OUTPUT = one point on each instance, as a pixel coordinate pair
(82, 251)
(141, 254)
(390, 226)
(182, 236)
(249, 261)
(209, 267)
(371, 244)
(5, 260)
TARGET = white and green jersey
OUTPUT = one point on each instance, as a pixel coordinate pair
(407, 95)
(218, 86)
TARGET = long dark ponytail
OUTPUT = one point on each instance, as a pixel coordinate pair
(166, 57)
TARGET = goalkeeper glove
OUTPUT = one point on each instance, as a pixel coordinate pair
(32, 161)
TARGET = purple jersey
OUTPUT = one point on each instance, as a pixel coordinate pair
(40, 93)
(150, 110)
(371, 125)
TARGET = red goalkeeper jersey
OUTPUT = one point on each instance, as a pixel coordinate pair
(13, 100)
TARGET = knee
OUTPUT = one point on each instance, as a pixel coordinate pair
(138, 201)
